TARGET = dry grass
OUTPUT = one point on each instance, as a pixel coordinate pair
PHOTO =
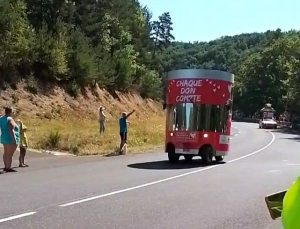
(81, 136)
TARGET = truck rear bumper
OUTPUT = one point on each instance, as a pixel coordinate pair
(196, 152)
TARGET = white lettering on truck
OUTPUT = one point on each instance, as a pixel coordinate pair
(189, 83)
(188, 98)
(188, 91)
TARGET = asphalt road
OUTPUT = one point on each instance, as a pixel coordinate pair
(145, 191)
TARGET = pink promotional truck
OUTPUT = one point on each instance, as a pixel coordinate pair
(198, 114)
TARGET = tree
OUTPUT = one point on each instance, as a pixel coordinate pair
(268, 75)
(51, 51)
(16, 35)
(151, 86)
(48, 11)
(162, 32)
(81, 59)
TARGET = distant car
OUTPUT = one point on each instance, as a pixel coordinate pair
(267, 123)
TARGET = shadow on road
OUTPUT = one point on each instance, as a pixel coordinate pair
(287, 131)
(166, 165)
(293, 138)
(114, 154)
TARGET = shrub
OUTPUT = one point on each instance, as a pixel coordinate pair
(52, 140)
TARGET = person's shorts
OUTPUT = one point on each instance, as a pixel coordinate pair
(123, 136)
(6, 139)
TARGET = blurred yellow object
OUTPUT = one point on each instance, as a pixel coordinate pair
(290, 215)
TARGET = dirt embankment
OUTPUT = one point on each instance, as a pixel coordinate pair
(56, 102)
(59, 121)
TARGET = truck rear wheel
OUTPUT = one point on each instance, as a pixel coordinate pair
(188, 158)
(219, 158)
(206, 154)
(173, 157)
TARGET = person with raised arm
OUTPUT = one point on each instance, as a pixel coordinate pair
(123, 131)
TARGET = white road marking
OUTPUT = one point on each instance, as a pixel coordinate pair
(273, 171)
(248, 155)
(16, 217)
(239, 131)
(294, 164)
(257, 151)
(167, 179)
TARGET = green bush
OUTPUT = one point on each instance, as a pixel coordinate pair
(52, 140)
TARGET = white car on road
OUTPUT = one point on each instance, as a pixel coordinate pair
(267, 123)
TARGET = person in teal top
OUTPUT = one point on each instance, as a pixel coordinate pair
(10, 137)
(123, 130)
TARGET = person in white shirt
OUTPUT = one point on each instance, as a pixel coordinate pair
(102, 118)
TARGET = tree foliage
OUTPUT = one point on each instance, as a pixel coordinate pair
(78, 43)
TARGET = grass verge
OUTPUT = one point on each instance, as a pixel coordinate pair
(82, 137)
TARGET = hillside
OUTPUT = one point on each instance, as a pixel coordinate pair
(58, 121)
(225, 53)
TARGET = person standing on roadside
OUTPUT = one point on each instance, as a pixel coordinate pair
(23, 143)
(10, 137)
(123, 131)
(102, 118)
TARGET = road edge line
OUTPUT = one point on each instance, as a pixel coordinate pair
(16, 217)
(257, 151)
